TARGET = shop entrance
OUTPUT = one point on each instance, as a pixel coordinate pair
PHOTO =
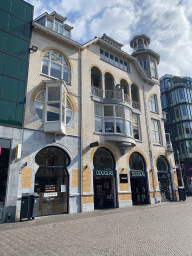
(52, 181)
(104, 182)
(4, 164)
(138, 177)
(164, 179)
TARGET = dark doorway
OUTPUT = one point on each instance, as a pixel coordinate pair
(104, 193)
(52, 181)
(138, 177)
(4, 164)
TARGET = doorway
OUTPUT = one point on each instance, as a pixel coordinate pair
(138, 187)
(4, 164)
(52, 181)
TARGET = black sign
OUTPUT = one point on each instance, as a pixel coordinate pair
(138, 174)
(123, 178)
(104, 173)
(94, 144)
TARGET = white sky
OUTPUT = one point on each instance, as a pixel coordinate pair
(168, 23)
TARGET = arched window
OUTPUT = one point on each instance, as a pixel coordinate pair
(40, 103)
(162, 165)
(153, 103)
(55, 65)
(135, 97)
(136, 162)
(103, 159)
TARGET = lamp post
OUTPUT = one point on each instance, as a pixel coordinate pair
(180, 168)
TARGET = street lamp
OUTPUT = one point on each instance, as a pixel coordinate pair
(180, 168)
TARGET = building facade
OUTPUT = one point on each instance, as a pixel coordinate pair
(15, 32)
(176, 98)
(93, 134)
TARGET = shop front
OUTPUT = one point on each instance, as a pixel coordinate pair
(104, 180)
(138, 177)
(164, 179)
(52, 181)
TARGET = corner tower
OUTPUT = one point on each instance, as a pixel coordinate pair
(146, 57)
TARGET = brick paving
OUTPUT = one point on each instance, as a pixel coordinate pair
(163, 229)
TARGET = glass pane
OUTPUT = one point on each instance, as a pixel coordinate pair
(135, 119)
(127, 114)
(116, 62)
(50, 24)
(162, 165)
(98, 110)
(135, 132)
(53, 112)
(60, 29)
(51, 156)
(157, 138)
(136, 162)
(46, 55)
(103, 159)
(67, 33)
(39, 109)
(55, 70)
(40, 96)
(153, 135)
(119, 111)
(121, 64)
(125, 66)
(66, 75)
(106, 57)
(119, 126)
(111, 59)
(45, 67)
(56, 57)
(109, 125)
(68, 116)
(53, 93)
(56, 27)
(68, 104)
(108, 110)
(128, 128)
(98, 124)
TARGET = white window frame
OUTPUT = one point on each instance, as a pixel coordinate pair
(65, 32)
(153, 68)
(137, 126)
(157, 131)
(153, 104)
(49, 61)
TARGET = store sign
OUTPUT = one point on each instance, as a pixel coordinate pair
(94, 144)
(50, 194)
(138, 174)
(103, 173)
(123, 178)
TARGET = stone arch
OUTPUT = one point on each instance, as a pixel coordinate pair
(93, 65)
(167, 159)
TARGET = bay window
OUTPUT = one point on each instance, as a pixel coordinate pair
(112, 119)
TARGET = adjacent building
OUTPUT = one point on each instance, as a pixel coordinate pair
(176, 98)
(93, 134)
(15, 33)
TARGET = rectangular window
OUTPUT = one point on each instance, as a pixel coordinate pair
(45, 67)
(106, 57)
(183, 111)
(153, 69)
(109, 125)
(180, 129)
(125, 66)
(119, 126)
(101, 54)
(55, 70)
(98, 124)
(175, 131)
(177, 112)
(135, 123)
(187, 128)
(116, 62)
(121, 64)
(181, 95)
(143, 63)
(182, 148)
(108, 110)
(156, 131)
(111, 59)
(190, 146)
(53, 112)
(60, 29)
(50, 24)
(98, 110)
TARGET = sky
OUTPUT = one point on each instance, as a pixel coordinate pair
(168, 23)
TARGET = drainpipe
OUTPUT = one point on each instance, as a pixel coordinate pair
(149, 141)
(81, 134)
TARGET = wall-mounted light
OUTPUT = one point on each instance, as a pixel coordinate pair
(86, 166)
(33, 48)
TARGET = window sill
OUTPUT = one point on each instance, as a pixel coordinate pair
(159, 145)
(138, 141)
(113, 134)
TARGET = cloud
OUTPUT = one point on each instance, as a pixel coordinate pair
(167, 22)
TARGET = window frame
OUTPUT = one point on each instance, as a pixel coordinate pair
(156, 131)
(153, 68)
(153, 104)
(62, 65)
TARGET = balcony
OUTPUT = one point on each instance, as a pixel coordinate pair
(114, 95)
(169, 147)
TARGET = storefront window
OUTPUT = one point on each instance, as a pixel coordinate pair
(136, 162)
(103, 159)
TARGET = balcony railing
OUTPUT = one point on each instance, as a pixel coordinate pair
(116, 95)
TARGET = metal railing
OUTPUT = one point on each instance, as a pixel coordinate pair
(97, 92)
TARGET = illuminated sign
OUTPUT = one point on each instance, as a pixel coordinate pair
(138, 174)
(104, 173)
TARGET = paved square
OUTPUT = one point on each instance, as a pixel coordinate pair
(163, 229)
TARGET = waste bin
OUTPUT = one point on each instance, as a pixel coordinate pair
(182, 193)
(27, 202)
(36, 205)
